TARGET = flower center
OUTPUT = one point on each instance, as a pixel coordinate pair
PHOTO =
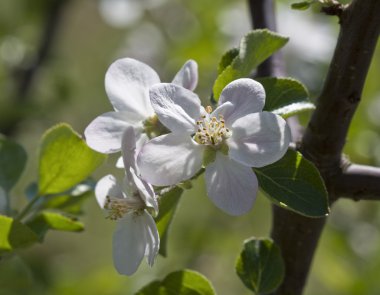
(153, 127)
(211, 130)
(117, 208)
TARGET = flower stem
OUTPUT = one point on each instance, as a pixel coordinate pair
(28, 207)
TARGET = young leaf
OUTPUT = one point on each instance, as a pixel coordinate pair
(65, 160)
(227, 59)
(72, 201)
(12, 162)
(255, 47)
(14, 234)
(168, 206)
(183, 282)
(260, 265)
(285, 96)
(44, 221)
(302, 5)
(294, 183)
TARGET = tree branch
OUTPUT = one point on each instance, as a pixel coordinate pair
(358, 182)
(27, 74)
(263, 16)
(296, 235)
(326, 133)
(323, 142)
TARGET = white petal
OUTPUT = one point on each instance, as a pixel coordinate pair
(128, 148)
(3, 201)
(127, 85)
(152, 238)
(187, 76)
(145, 190)
(107, 186)
(129, 244)
(141, 140)
(259, 139)
(104, 133)
(246, 95)
(169, 159)
(231, 186)
(176, 107)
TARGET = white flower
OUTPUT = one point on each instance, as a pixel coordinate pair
(127, 84)
(228, 141)
(128, 202)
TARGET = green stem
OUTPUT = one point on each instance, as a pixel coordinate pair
(28, 207)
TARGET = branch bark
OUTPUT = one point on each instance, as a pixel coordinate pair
(358, 182)
(296, 235)
(326, 133)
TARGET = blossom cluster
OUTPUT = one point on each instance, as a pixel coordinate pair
(166, 137)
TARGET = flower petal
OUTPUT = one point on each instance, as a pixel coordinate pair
(152, 238)
(246, 95)
(231, 186)
(176, 107)
(259, 139)
(141, 140)
(107, 186)
(128, 148)
(129, 243)
(187, 76)
(127, 85)
(105, 132)
(169, 159)
(145, 190)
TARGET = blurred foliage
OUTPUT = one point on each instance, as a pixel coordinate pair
(68, 86)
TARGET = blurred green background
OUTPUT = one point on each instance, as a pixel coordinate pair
(53, 57)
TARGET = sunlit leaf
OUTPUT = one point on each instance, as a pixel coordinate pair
(285, 96)
(168, 206)
(14, 234)
(294, 183)
(44, 221)
(183, 282)
(12, 163)
(255, 47)
(65, 160)
(260, 265)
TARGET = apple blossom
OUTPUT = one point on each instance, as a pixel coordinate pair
(129, 202)
(127, 84)
(228, 141)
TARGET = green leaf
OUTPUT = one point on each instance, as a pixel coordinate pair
(255, 47)
(285, 96)
(14, 234)
(295, 183)
(72, 201)
(302, 5)
(168, 205)
(12, 163)
(65, 160)
(260, 265)
(44, 221)
(183, 282)
(227, 59)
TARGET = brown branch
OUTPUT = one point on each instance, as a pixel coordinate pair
(323, 142)
(326, 133)
(263, 16)
(358, 182)
(25, 76)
